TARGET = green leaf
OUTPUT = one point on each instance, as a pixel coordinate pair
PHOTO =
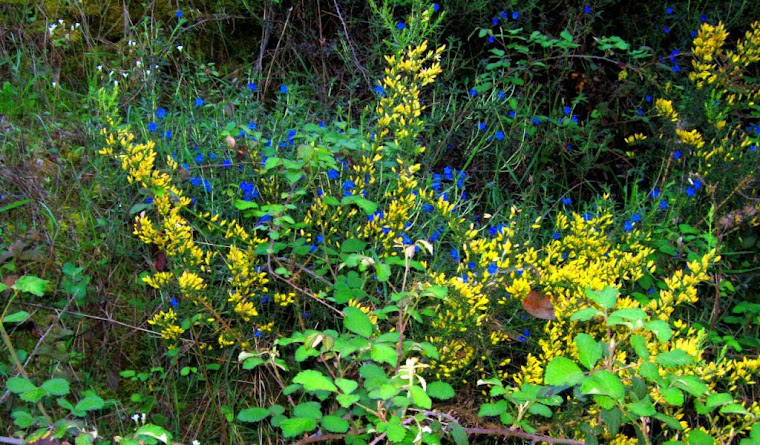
(459, 434)
(334, 424)
(540, 409)
(562, 371)
(22, 419)
(34, 395)
(440, 390)
(589, 350)
(603, 382)
(669, 421)
(31, 284)
(56, 387)
(89, 403)
(347, 386)
(642, 408)
(357, 321)
(566, 35)
(314, 381)
(734, 408)
(19, 385)
(420, 397)
(631, 316)
(311, 410)
(612, 418)
(395, 432)
(691, 384)
(16, 317)
(252, 362)
(672, 396)
(586, 314)
(671, 359)
(383, 272)
(492, 409)
(660, 328)
(297, 426)
(346, 400)
(353, 245)
(383, 353)
(368, 206)
(639, 344)
(605, 298)
(699, 437)
(651, 372)
(715, 400)
(384, 392)
(245, 205)
(254, 414)
(153, 431)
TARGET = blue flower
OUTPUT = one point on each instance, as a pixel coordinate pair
(666, 30)
(556, 235)
(152, 127)
(636, 217)
(448, 173)
(283, 89)
(697, 184)
(654, 193)
(676, 68)
(663, 204)
(677, 154)
(179, 14)
(628, 226)
(195, 181)
(400, 25)
(257, 333)
(380, 90)
(504, 15)
(587, 9)
(490, 39)
(206, 185)
(199, 158)
(536, 121)
(455, 254)
(512, 113)
(320, 239)
(522, 338)
(473, 92)
(703, 18)
(502, 94)
(493, 268)
(436, 7)
(481, 126)
(753, 147)
(333, 174)
(265, 218)
(566, 201)
(499, 135)
(640, 112)
(427, 207)
(515, 15)
(669, 10)
(690, 192)
(348, 185)
(149, 200)
(160, 113)
(168, 134)
(648, 98)
(174, 302)
(693, 33)
(199, 102)
(567, 110)
(251, 86)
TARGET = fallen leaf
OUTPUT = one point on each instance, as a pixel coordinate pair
(539, 305)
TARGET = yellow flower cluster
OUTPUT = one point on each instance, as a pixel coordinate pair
(665, 108)
(635, 138)
(707, 50)
(284, 299)
(167, 324)
(399, 110)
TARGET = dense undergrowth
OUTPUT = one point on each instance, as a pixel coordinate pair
(402, 222)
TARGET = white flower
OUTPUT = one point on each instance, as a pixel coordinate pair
(55, 84)
(143, 417)
(135, 418)
(60, 21)
(51, 28)
(100, 67)
(179, 47)
(124, 74)
(196, 442)
(138, 63)
(147, 72)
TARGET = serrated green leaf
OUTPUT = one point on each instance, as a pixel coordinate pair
(492, 409)
(384, 392)
(395, 432)
(252, 362)
(90, 403)
(368, 206)
(352, 245)
(639, 344)
(314, 381)
(383, 272)
(734, 408)
(458, 434)
(628, 316)
(346, 400)
(34, 395)
(585, 314)
(673, 358)
(660, 328)
(691, 384)
(669, 421)
(22, 419)
(715, 400)
(589, 350)
(699, 437)
(606, 298)
(613, 418)
(346, 386)
(334, 424)
(19, 385)
(603, 382)
(32, 285)
(672, 396)
(383, 353)
(420, 397)
(16, 317)
(311, 410)
(642, 408)
(56, 387)
(562, 371)
(297, 426)
(440, 390)
(540, 409)
(357, 321)
(254, 414)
